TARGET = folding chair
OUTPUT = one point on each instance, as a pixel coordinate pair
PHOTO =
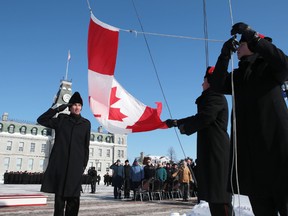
(143, 191)
(156, 190)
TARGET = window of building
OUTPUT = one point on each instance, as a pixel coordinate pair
(122, 153)
(100, 138)
(30, 164)
(21, 146)
(1, 127)
(92, 137)
(90, 164)
(32, 147)
(119, 140)
(107, 166)
(119, 153)
(41, 164)
(23, 129)
(44, 132)
(43, 148)
(108, 139)
(18, 163)
(11, 128)
(9, 146)
(108, 153)
(100, 152)
(91, 152)
(34, 131)
(6, 163)
(99, 165)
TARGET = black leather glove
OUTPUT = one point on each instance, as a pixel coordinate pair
(248, 35)
(61, 107)
(239, 28)
(181, 129)
(171, 123)
(228, 47)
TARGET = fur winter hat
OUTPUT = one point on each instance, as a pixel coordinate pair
(76, 98)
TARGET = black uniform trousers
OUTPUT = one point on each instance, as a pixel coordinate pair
(70, 204)
(269, 205)
(221, 209)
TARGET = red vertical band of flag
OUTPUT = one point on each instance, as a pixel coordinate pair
(114, 108)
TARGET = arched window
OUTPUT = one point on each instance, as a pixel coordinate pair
(92, 137)
(44, 132)
(108, 139)
(11, 128)
(100, 138)
(23, 129)
(34, 131)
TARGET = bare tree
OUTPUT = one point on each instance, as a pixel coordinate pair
(172, 154)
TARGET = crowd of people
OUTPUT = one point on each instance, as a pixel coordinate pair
(163, 177)
(25, 177)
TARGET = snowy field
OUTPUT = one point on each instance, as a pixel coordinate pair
(241, 204)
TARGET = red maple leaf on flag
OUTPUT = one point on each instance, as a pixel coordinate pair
(115, 113)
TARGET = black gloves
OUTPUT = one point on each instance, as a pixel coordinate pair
(171, 123)
(229, 47)
(248, 35)
(61, 107)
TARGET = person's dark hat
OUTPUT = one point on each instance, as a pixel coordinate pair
(76, 98)
(127, 161)
(243, 39)
(118, 161)
(209, 72)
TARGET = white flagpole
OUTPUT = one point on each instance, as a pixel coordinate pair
(67, 65)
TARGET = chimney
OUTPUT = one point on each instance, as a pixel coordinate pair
(5, 116)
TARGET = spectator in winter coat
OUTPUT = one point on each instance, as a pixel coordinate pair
(127, 179)
(93, 177)
(69, 155)
(137, 175)
(160, 175)
(260, 119)
(117, 178)
(149, 170)
(185, 178)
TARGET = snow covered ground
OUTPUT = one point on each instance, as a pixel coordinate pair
(241, 204)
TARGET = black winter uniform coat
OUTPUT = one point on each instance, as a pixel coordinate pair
(261, 119)
(213, 146)
(69, 155)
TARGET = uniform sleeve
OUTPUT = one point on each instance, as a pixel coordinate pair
(276, 59)
(220, 81)
(47, 120)
(207, 114)
(87, 143)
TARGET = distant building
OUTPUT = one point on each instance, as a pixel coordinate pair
(153, 158)
(26, 146)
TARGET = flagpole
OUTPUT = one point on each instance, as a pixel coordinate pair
(67, 65)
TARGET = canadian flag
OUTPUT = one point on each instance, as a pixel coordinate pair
(114, 108)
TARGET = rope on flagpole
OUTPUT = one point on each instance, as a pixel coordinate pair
(234, 134)
(156, 72)
(206, 33)
(169, 35)
(88, 3)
